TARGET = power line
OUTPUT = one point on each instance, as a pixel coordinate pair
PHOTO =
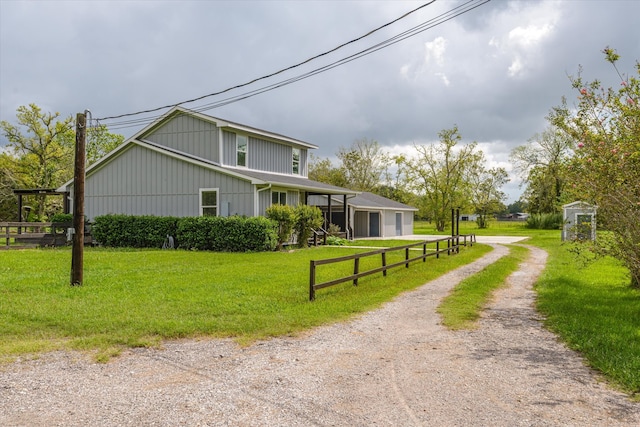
(276, 72)
(431, 23)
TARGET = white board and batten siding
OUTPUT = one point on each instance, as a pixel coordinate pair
(189, 135)
(146, 182)
(263, 155)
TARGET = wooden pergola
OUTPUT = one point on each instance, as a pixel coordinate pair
(41, 191)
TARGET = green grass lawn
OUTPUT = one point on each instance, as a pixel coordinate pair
(140, 297)
(496, 228)
(462, 307)
(594, 309)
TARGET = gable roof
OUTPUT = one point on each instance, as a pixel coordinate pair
(373, 201)
(221, 123)
(579, 204)
(291, 181)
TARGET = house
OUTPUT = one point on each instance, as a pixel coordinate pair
(370, 215)
(190, 164)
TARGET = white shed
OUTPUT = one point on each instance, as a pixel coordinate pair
(579, 221)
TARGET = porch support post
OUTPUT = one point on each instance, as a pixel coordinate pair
(326, 226)
(346, 214)
(19, 207)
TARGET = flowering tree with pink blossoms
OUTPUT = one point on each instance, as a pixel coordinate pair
(605, 170)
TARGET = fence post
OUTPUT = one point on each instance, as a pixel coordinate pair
(424, 253)
(406, 257)
(312, 280)
(438, 249)
(384, 263)
(356, 270)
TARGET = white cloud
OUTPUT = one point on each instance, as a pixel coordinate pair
(444, 78)
(523, 44)
(529, 36)
(433, 58)
(435, 50)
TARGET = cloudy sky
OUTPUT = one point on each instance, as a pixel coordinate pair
(494, 71)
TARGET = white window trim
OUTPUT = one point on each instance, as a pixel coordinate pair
(279, 191)
(293, 161)
(201, 207)
(246, 152)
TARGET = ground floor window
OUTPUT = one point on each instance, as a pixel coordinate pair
(208, 201)
(278, 197)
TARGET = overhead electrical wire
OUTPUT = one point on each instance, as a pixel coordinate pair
(279, 71)
(438, 20)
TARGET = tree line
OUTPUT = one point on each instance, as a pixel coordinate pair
(439, 177)
(40, 154)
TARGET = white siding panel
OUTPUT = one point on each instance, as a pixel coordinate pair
(190, 135)
(144, 182)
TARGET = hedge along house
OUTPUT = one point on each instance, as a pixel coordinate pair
(190, 164)
(371, 215)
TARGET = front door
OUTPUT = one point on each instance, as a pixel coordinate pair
(398, 223)
(374, 224)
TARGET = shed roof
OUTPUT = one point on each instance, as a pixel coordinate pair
(579, 204)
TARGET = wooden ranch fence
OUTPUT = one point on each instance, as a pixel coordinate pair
(453, 246)
(29, 234)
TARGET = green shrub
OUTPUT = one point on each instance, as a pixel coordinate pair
(131, 231)
(333, 230)
(336, 241)
(308, 218)
(284, 216)
(545, 221)
(61, 218)
(227, 234)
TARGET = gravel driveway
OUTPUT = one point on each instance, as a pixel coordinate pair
(395, 366)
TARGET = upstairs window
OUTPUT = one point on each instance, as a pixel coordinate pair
(296, 161)
(241, 150)
(209, 202)
(278, 197)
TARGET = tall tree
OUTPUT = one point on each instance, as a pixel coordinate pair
(8, 181)
(541, 164)
(38, 143)
(606, 167)
(322, 170)
(364, 164)
(440, 174)
(41, 148)
(486, 194)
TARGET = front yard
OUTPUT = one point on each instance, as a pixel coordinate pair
(140, 297)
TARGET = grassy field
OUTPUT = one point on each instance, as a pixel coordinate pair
(137, 298)
(496, 228)
(594, 310)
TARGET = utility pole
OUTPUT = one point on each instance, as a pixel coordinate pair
(77, 253)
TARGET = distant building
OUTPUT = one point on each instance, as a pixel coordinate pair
(579, 221)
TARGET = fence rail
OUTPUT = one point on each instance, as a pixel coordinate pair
(34, 233)
(453, 246)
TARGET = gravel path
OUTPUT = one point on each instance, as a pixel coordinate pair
(395, 366)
